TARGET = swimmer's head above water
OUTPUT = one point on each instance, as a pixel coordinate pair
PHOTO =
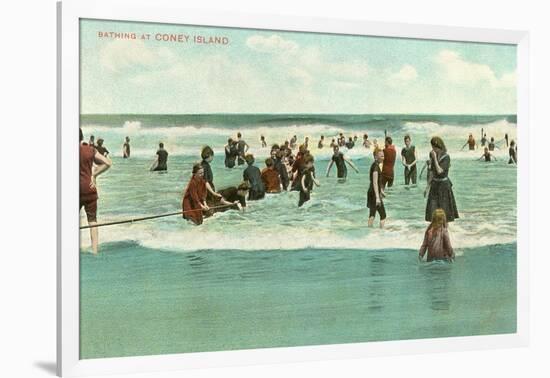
(198, 170)
(438, 144)
(249, 158)
(207, 153)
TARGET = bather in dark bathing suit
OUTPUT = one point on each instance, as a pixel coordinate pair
(253, 175)
(308, 182)
(230, 194)
(162, 160)
(410, 173)
(441, 190)
(283, 173)
(240, 147)
(341, 169)
(513, 156)
(231, 153)
(102, 150)
(371, 195)
(209, 178)
(126, 150)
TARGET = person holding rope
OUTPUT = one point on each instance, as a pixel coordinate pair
(88, 190)
(194, 196)
(235, 197)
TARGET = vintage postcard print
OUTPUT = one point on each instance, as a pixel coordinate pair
(245, 188)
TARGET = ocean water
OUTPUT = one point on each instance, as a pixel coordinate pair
(279, 275)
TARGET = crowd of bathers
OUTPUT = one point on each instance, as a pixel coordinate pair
(290, 167)
(489, 146)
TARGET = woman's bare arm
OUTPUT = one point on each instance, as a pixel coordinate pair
(351, 164)
(102, 164)
(315, 181)
(447, 244)
(438, 168)
(329, 167)
(375, 185)
(209, 188)
(424, 246)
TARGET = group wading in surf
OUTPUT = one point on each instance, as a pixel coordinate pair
(291, 167)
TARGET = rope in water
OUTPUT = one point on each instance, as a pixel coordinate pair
(148, 218)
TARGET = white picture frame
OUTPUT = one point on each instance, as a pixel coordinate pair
(69, 14)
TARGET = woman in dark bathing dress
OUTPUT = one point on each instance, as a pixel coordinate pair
(375, 193)
(440, 187)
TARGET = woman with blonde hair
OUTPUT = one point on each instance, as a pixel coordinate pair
(440, 194)
(436, 239)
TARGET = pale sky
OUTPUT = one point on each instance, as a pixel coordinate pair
(289, 72)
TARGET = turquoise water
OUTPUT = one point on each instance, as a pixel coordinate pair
(277, 275)
(138, 301)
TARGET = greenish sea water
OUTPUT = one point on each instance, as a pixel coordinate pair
(278, 275)
(138, 301)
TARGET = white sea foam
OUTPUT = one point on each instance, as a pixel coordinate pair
(496, 128)
(184, 237)
(332, 221)
(187, 140)
(284, 132)
(312, 130)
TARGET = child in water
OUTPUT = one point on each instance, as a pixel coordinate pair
(436, 239)
(307, 181)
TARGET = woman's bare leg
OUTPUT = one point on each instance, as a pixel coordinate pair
(94, 235)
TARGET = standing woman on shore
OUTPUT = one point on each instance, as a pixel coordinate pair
(441, 188)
